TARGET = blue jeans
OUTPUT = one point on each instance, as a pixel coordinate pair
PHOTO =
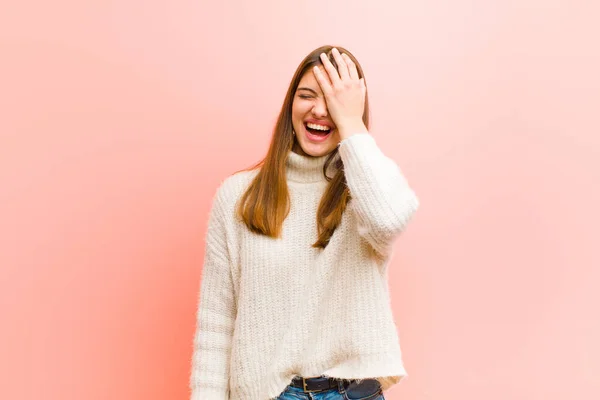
(367, 389)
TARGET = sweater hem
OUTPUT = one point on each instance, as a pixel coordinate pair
(388, 370)
(205, 393)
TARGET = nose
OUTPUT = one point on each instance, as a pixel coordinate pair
(320, 108)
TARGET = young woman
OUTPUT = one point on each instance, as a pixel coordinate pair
(294, 300)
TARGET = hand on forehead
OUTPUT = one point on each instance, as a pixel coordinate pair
(310, 80)
(325, 74)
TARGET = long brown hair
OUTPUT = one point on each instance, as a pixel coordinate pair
(266, 203)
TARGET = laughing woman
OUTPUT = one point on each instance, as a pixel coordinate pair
(294, 300)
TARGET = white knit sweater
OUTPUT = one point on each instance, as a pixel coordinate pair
(270, 309)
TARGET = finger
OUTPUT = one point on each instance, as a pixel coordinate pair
(322, 80)
(341, 63)
(351, 67)
(331, 71)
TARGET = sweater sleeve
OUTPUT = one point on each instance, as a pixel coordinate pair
(215, 315)
(381, 197)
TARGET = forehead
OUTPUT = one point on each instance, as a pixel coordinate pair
(309, 80)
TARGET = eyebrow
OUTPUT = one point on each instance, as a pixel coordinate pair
(309, 89)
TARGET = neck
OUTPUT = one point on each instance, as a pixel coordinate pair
(305, 168)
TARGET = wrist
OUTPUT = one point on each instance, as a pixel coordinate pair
(349, 128)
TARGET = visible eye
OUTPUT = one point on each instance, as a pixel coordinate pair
(305, 96)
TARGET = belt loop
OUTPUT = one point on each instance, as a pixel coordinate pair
(340, 386)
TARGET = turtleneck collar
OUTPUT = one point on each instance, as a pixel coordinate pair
(306, 169)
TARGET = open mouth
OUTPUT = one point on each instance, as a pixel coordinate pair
(318, 130)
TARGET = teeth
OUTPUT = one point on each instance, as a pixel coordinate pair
(317, 127)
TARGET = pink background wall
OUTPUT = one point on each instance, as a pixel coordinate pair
(118, 120)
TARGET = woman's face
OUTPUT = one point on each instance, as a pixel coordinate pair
(316, 134)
